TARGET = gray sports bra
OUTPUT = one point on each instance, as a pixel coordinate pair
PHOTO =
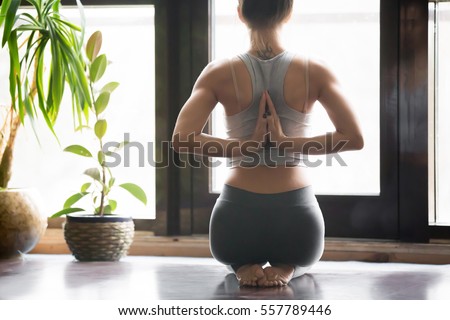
(268, 75)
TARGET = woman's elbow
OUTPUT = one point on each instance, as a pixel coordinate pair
(357, 142)
(183, 143)
(179, 142)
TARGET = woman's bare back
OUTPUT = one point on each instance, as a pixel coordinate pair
(263, 179)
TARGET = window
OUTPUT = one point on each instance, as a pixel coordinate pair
(129, 43)
(366, 203)
(346, 35)
(439, 113)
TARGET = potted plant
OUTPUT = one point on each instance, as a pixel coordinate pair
(44, 52)
(97, 234)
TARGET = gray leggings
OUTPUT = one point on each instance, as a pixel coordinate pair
(254, 228)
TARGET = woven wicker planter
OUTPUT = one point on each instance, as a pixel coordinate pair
(94, 238)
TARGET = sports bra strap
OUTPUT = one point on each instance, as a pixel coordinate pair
(306, 85)
(236, 88)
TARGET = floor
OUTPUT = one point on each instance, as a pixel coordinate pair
(169, 278)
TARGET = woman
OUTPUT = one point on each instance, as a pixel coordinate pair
(267, 211)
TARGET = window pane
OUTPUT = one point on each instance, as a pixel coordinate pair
(128, 42)
(440, 82)
(346, 35)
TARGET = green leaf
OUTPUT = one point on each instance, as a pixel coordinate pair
(67, 23)
(9, 19)
(29, 27)
(20, 100)
(50, 5)
(74, 199)
(102, 102)
(75, 71)
(79, 150)
(57, 72)
(85, 186)
(93, 45)
(40, 86)
(37, 5)
(83, 23)
(98, 68)
(94, 173)
(110, 87)
(111, 182)
(81, 127)
(14, 70)
(3, 9)
(31, 19)
(28, 102)
(136, 191)
(107, 209)
(101, 157)
(112, 204)
(100, 128)
(66, 211)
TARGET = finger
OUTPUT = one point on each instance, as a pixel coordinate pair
(268, 143)
(261, 125)
(272, 109)
(272, 123)
(260, 130)
(262, 105)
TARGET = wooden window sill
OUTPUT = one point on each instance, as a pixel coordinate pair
(146, 244)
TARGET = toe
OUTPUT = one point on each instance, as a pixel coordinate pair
(262, 282)
(259, 273)
(270, 274)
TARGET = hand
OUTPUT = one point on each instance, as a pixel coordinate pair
(274, 129)
(260, 134)
(268, 131)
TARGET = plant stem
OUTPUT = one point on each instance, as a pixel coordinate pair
(7, 156)
(103, 195)
(103, 173)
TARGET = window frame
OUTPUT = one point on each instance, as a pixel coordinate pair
(436, 231)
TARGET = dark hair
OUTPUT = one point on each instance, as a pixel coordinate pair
(265, 13)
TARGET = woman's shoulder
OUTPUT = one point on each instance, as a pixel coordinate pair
(318, 68)
(314, 63)
(218, 70)
(217, 66)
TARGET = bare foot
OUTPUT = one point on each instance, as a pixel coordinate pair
(277, 276)
(250, 275)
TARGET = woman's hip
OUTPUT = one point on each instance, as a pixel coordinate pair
(238, 211)
(285, 226)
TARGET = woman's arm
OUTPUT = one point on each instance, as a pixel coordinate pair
(188, 136)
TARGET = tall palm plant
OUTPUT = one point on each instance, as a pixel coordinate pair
(45, 51)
